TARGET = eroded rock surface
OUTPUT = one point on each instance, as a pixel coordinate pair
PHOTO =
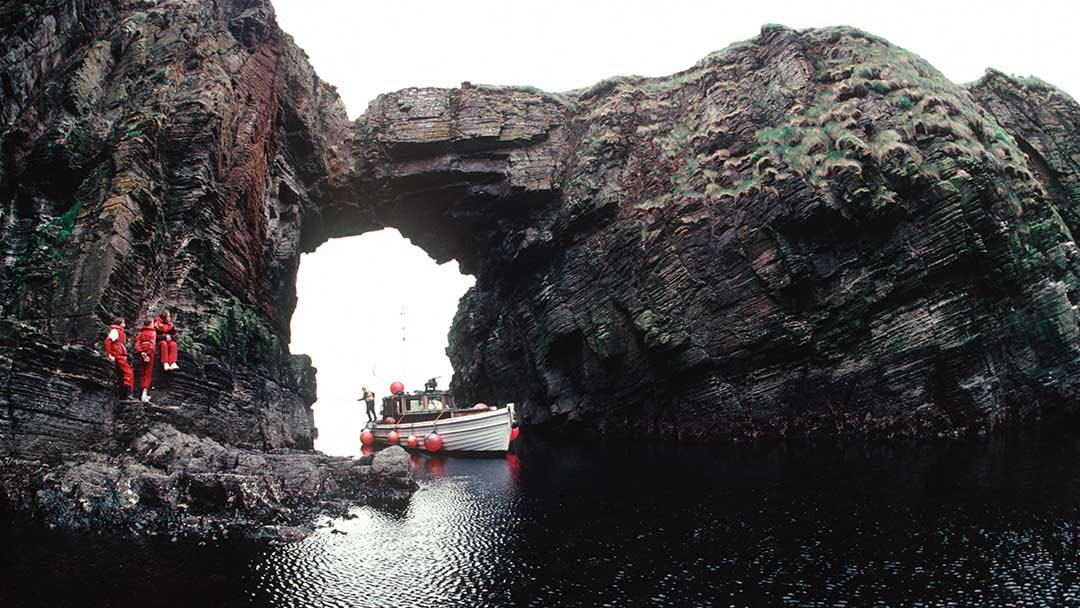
(809, 233)
(150, 478)
(159, 155)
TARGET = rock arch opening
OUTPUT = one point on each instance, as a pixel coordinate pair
(687, 256)
(371, 309)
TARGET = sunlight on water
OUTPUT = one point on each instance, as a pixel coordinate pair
(991, 524)
(447, 545)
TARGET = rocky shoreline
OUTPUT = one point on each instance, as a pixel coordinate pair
(197, 462)
(151, 479)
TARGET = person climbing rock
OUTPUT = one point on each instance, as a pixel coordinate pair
(369, 400)
(166, 336)
(145, 342)
(116, 350)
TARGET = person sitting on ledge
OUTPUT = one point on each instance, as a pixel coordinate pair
(144, 346)
(166, 335)
(116, 350)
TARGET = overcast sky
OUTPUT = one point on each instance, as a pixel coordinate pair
(349, 319)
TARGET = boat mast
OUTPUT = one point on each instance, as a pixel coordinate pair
(404, 347)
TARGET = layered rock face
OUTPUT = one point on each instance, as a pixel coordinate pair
(809, 233)
(806, 233)
(160, 155)
(153, 157)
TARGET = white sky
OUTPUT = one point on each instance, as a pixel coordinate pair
(367, 48)
(352, 294)
(350, 322)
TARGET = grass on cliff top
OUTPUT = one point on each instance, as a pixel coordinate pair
(828, 134)
(933, 138)
(560, 97)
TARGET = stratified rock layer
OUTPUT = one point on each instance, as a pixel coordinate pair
(159, 155)
(807, 233)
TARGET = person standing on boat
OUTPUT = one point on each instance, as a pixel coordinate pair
(369, 400)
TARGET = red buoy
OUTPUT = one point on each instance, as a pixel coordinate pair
(433, 443)
(480, 406)
(412, 441)
(396, 387)
(367, 437)
(389, 420)
(392, 437)
(514, 432)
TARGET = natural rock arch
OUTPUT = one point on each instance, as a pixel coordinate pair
(806, 233)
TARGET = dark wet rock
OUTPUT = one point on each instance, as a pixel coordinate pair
(164, 481)
(809, 233)
(392, 463)
(161, 155)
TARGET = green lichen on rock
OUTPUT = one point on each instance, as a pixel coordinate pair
(42, 263)
(54, 234)
(233, 333)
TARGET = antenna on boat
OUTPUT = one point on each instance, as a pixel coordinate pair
(401, 358)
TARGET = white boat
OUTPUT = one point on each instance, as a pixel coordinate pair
(480, 428)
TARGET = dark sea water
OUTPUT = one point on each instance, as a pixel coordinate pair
(972, 524)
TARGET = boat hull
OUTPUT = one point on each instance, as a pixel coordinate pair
(480, 432)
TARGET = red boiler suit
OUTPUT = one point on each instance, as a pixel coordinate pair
(167, 347)
(144, 345)
(116, 347)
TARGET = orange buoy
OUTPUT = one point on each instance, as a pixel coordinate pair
(412, 441)
(367, 437)
(514, 432)
(433, 443)
(392, 437)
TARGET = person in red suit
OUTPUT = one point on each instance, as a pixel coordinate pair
(166, 336)
(116, 350)
(145, 342)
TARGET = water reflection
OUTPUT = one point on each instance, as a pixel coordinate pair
(969, 524)
(555, 525)
(434, 468)
(447, 545)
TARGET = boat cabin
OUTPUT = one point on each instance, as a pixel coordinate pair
(418, 405)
